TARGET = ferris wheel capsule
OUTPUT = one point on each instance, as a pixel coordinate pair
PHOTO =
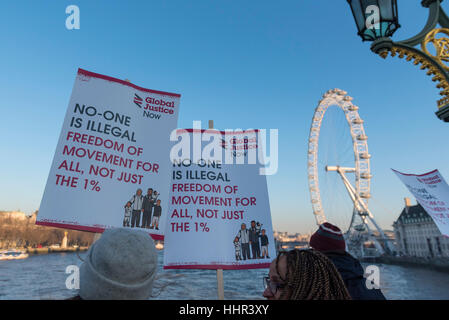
(366, 175)
(365, 195)
(365, 156)
(362, 137)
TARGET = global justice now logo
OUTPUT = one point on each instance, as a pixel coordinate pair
(138, 100)
(239, 147)
(158, 105)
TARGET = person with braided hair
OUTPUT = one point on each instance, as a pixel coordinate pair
(304, 275)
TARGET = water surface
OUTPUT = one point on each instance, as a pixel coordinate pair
(43, 277)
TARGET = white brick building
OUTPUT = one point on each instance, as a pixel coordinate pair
(417, 235)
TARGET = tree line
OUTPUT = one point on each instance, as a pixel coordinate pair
(25, 233)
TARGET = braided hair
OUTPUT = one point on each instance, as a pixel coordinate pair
(311, 276)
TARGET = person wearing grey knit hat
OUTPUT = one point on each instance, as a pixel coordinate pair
(121, 265)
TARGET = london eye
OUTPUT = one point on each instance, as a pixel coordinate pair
(339, 172)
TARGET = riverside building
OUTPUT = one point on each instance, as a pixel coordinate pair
(417, 234)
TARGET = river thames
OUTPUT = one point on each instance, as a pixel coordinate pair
(44, 277)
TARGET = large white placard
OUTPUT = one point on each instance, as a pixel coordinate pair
(219, 213)
(114, 141)
(432, 193)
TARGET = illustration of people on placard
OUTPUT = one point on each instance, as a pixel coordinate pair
(243, 236)
(238, 249)
(155, 195)
(128, 212)
(255, 238)
(147, 207)
(157, 211)
(254, 233)
(264, 244)
(136, 203)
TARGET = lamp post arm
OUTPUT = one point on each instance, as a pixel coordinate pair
(433, 19)
(443, 19)
(439, 75)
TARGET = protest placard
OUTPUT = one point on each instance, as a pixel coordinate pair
(114, 146)
(219, 212)
(432, 193)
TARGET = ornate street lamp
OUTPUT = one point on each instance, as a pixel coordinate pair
(377, 20)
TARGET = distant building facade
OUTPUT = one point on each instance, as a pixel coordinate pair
(14, 215)
(287, 237)
(417, 234)
(286, 241)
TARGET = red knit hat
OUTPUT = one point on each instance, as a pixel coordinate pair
(328, 238)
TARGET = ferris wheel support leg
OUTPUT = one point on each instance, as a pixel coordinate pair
(351, 193)
(381, 233)
(362, 205)
(354, 212)
(359, 205)
(362, 251)
(373, 239)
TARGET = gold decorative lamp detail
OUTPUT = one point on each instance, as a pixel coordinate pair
(441, 46)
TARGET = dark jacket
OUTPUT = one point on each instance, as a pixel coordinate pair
(264, 240)
(157, 211)
(352, 273)
(147, 204)
(253, 235)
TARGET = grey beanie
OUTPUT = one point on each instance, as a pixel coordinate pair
(121, 265)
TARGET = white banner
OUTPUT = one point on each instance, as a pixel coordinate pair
(219, 215)
(432, 193)
(111, 166)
